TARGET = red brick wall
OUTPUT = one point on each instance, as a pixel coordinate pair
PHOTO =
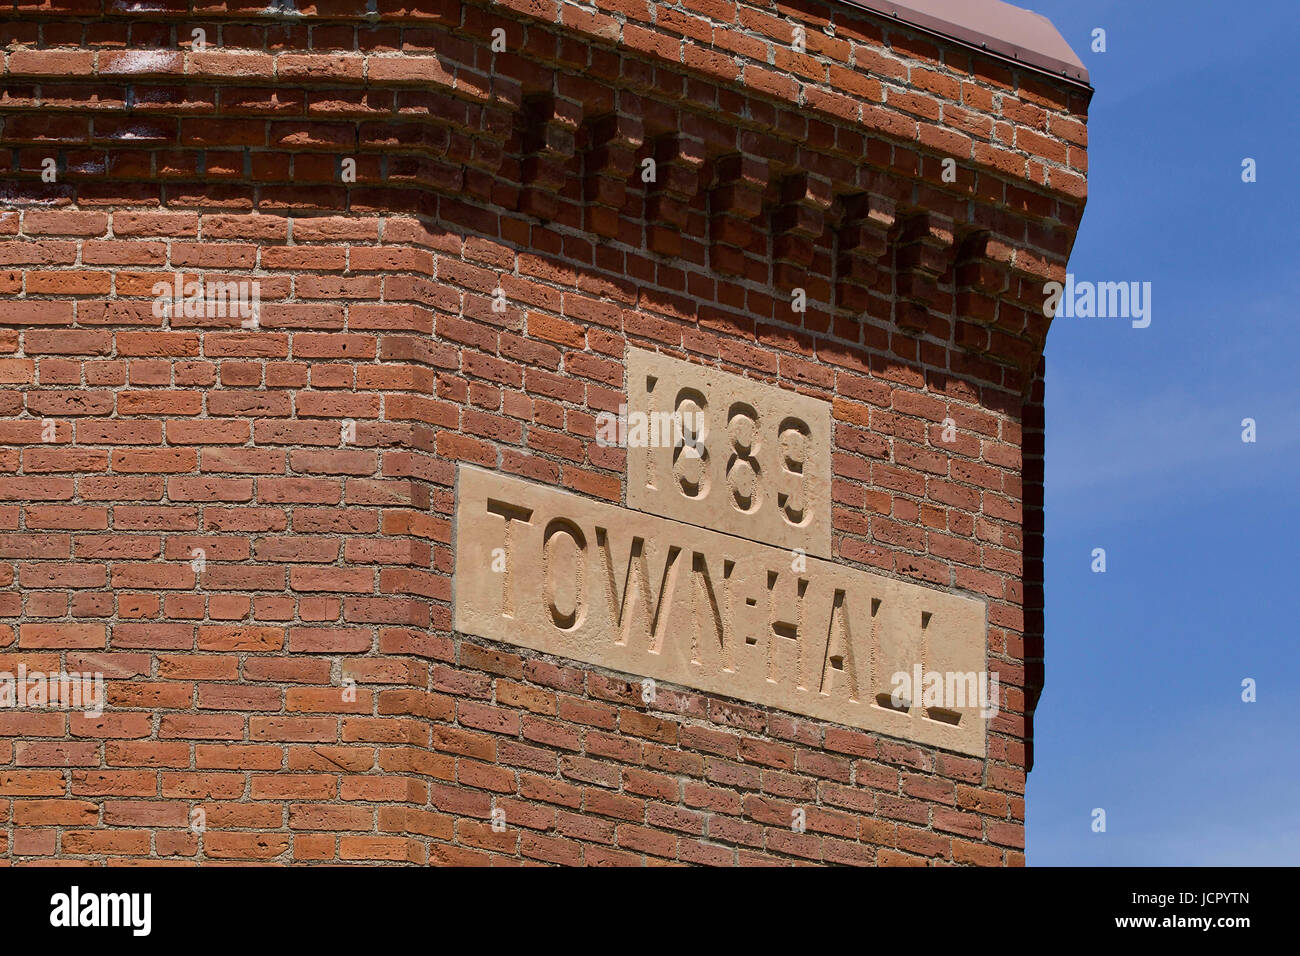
(329, 561)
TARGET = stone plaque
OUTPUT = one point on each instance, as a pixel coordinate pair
(724, 452)
(656, 598)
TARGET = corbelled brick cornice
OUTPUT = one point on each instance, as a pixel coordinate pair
(557, 127)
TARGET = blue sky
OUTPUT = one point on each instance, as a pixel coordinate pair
(1142, 712)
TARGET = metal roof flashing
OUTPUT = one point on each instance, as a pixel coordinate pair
(1011, 33)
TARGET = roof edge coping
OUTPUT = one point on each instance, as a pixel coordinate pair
(1020, 36)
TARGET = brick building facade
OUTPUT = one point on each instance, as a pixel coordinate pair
(246, 524)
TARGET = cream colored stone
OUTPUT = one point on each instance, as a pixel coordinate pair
(756, 459)
(651, 597)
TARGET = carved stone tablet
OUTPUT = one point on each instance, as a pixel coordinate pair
(728, 453)
(660, 599)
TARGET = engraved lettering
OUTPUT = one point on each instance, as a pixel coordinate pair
(667, 601)
(564, 572)
(510, 513)
(752, 459)
(840, 662)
